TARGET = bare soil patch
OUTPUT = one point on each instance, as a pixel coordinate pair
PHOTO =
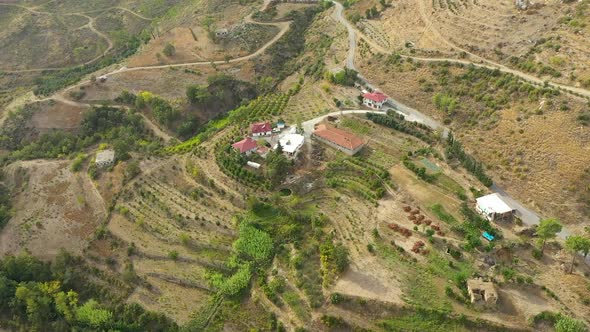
(57, 115)
(54, 209)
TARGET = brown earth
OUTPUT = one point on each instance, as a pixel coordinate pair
(54, 209)
(57, 115)
(538, 158)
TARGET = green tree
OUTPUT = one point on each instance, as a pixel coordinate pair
(277, 166)
(67, 305)
(547, 230)
(253, 244)
(576, 244)
(169, 50)
(299, 121)
(198, 94)
(568, 324)
(92, 315)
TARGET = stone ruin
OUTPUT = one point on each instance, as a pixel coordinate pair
(482, 292)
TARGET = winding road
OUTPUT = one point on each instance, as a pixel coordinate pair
(528, 216)
(481, 62)
(89, 25)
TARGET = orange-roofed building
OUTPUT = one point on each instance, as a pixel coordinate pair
(339, 139)
(261, 129)
(374, 99)
(247, 145)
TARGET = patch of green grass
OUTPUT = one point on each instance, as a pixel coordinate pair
(458, 272)
(447, 183)
(356, 126)
(297, 305)
(443, 215)
(418, 281)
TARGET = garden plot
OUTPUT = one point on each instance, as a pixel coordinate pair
(179, 228)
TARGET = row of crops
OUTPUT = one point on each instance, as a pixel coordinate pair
(263, 107)
(364, 178)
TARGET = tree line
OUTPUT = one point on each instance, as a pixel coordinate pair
(397, 122)
(124, 130)
(39, 296)
(454, 150)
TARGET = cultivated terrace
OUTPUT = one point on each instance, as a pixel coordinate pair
(358, 165)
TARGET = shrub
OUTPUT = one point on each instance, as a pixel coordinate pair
(173, 255)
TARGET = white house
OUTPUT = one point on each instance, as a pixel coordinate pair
(105, 158)
(374, 100)
(290, 143)
(494, 208)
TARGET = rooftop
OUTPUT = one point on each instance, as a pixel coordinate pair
(338, 136)
(375, 96)
(261, 127)
(105, 156)
(291, 142)
(245, 145)
(493, 203)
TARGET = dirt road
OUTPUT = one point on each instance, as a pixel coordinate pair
(337, 15)
(480, 62)
(89, 25)
(528, 216)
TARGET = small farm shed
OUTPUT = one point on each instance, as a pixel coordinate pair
(494, 208)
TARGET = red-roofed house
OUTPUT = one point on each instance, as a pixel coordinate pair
(374, 99)
(261, 129)
(339, 139)
(247, 145)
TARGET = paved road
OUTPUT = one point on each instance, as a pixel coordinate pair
(528, 216)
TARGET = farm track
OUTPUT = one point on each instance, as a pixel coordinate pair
(528, 216)
(480, 61)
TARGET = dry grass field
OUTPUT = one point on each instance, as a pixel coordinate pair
(168, 230)
(55, 209)
(549, 34)
(533, 149)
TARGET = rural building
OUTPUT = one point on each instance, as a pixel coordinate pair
(261, 129)
(494, 208)
(247, 145)
(339, 139)
(280, 124)
(374, 100)
(105, 158)
(482, 292)
(291, 143)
